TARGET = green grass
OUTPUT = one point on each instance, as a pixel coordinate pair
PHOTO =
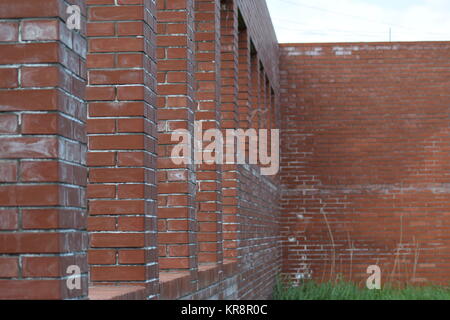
(342, 290)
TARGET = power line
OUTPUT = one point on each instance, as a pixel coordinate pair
(329, 32)
(358, 17)
(322, 32)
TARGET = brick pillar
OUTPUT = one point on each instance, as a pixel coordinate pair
(264, 99)
(255, 96)
(271, 111)
(122, 143)
(209, 176)
(176, 182)
(244, 79)
(42, 150)
(229, 111)
(264, 111)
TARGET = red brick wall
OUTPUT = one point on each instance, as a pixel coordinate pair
(364, 148)
(207, 96)
(261, 31)
(229, 120)
(216, 213)
(177, 224)
(365, 160)
(42, 150)
(259, 230)
(85, 142)
(122, 143)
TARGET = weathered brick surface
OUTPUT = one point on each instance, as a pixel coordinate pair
(42, 150)
(250, 201)
(207, 96)
(122, 143)
(259, 243)
(193, 222)
(261, 31)
(229, 108)
(365, 159)
(177, 224)
(364, 149)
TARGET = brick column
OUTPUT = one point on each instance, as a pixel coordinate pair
(122, 143)
(264, 84)
(255, 96)
(229, 96)
(176, 183)
(209, 176)
(244, 79)
(42, 150)
(271, 111)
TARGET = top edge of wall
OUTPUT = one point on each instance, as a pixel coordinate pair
(304, 44)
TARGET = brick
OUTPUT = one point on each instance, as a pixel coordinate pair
(39, 76)
(131, 256)
(43, 171)
(9, 267)
(122, 142)
(8, 77)
(174, 263)
(9, 219)
(100, 159)
(32, 123)
(41, 267)
(29, 195)
(116, 109)
(116, 45)
(130, 125)
(180, 237)
(31, 289)
(33, 100)
(29, 243)
(29, 53)
(131, 224)
(101, 191)
(101, 224)
(117, 240)
(9, 31)
(116, 207)
(8, 123)
(101, 126)
(130, 29)
(100, 29)
(28, 147)
(23, 9)
(100, 93)
(116, 77)
(101, 256)
(116, 13)
(40, 30)
(101, 60)
(130, 93)
(118, 273)
(131, 191)
(51, 218)
(131, 159)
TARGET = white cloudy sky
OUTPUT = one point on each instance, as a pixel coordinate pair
(360, 20)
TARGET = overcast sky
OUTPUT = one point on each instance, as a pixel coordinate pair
(360, 20)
